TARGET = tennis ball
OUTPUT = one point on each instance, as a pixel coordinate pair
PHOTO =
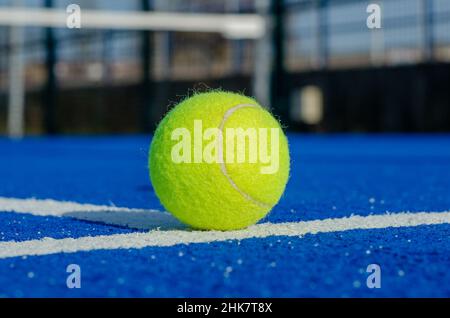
(219, 161)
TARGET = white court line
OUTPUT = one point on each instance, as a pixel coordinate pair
(51, 207)
(132, 218)
(174, 237)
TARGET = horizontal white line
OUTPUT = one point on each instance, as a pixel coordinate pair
(52, 207)
(173, 237)
(132, 218)
(239, 26)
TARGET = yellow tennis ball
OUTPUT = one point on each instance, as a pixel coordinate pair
(219, 161)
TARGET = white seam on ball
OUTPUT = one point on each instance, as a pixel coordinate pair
(223, 168)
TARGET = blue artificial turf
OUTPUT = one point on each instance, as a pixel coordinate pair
(331, 176)
(325, 265)
(23, 227)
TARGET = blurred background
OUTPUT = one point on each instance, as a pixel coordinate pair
(314, 63)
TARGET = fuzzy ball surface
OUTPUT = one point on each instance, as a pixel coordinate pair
(219, 161)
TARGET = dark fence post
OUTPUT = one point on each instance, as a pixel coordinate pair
(323, 33)
(279, 97)
(427, 11)
(146, 85)
(49, 98)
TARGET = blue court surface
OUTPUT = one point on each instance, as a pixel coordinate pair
(351, 201)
